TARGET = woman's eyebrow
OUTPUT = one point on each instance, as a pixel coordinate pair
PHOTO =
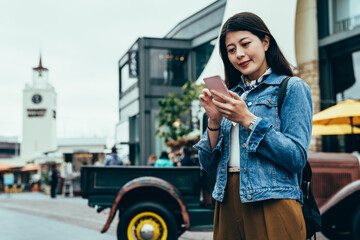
(243, 38)
(239, 41)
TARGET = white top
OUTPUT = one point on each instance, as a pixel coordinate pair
(234, 159)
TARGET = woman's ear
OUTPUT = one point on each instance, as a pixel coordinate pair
(266, 42)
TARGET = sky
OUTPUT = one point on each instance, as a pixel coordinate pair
(80, 43)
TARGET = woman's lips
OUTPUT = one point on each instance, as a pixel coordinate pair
(244, 64)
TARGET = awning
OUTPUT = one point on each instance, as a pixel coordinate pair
(5, 167)
(30, 167)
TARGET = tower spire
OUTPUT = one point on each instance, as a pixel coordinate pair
(40, 65)
(40, 68)
(40, 74)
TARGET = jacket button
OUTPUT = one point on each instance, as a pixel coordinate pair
(244, 145)
(244, 170)
(248, 197)
(249, 104)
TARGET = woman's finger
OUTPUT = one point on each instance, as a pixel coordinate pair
(205, 97)
(221, 107)
(206, 92)
(225, 113)
(235, 95)
(219, 104)
(221, 95)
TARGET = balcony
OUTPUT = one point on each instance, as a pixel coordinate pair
(347, 24)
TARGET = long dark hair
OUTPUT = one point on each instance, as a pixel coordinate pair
(246, 21)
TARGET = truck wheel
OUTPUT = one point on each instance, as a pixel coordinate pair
(145, 221)
(356, 225)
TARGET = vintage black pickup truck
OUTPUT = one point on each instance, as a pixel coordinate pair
(161, 203)
(153, 203)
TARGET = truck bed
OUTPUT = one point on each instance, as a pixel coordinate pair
(100, 184)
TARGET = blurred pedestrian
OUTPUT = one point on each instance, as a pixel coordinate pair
(172, 158)
(127, 163)
(54, 179)
(185, 157)
(164, 160)
(113, 158)
(151, 160)
(257, 155)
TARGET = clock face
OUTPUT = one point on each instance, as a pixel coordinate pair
(36, 98)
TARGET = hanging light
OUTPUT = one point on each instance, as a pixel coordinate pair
(177, 123)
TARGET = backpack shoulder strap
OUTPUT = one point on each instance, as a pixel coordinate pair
(282, 93)
(307, 172)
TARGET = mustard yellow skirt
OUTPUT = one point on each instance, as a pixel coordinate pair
(265, 220)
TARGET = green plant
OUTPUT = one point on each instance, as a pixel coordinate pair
(45, 179)
(175, 116)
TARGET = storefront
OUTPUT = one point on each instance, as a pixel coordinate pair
(339, 62)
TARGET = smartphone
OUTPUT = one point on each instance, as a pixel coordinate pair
(216, 83)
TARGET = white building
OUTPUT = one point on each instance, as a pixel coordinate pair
(39, 115)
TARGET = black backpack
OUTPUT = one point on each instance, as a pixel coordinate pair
(310, 209)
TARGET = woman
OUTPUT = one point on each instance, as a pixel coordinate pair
(258, 155)
(164, 161)
(151, 160)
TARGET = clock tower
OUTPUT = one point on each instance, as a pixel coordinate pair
(39, 115)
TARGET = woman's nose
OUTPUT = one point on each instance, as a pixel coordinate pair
(240, 53)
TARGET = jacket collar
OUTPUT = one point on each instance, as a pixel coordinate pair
(272, 79)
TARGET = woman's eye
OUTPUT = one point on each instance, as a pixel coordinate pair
(245, 44)
(231, 50)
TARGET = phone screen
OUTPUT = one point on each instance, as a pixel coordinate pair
(216, 83)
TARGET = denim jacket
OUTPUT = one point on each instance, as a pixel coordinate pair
(273, 154)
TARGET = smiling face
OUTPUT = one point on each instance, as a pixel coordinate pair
(246, 53)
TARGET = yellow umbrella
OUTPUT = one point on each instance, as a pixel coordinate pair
(340, 129)
(338, 120)
(347, 112)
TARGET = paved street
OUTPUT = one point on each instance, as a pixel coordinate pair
(21, 226)
(28, 216)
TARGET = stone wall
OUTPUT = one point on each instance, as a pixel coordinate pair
(309, 72)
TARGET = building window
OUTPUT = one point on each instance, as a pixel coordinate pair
(126, 80)
(134, 128)
(344, 15)
(122, 138)
(202, 55)
(168, 67)
(160, 145)
(350, 85)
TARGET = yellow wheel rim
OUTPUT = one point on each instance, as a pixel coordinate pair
(150, 218)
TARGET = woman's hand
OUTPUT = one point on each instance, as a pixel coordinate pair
(211, 110)
(234, 108)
